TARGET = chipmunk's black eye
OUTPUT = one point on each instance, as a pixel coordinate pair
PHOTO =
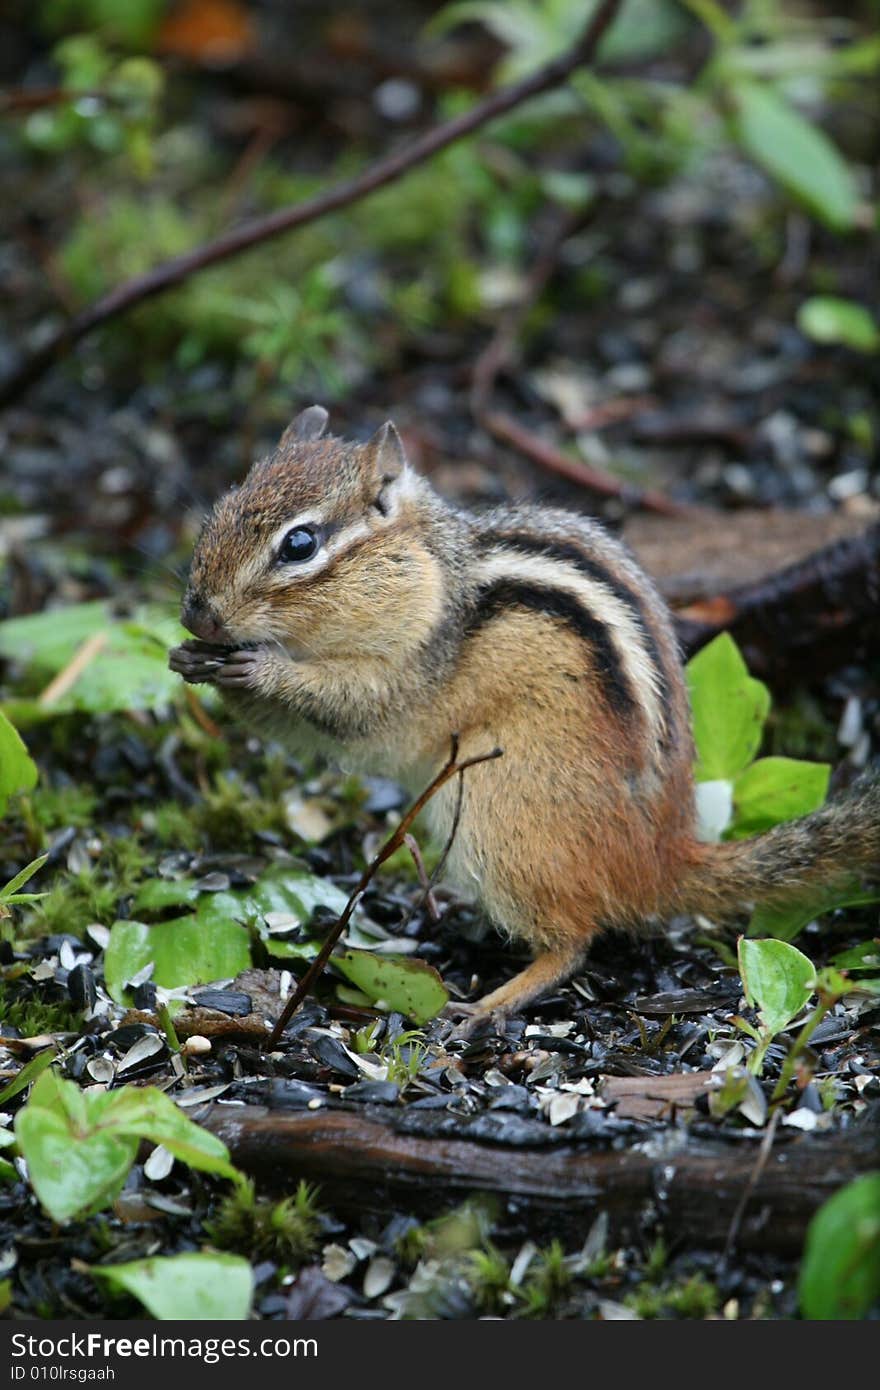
(299, 544)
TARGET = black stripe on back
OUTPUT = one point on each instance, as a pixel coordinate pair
(504, 594)
(570, 553)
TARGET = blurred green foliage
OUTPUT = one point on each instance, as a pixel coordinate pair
(326, 305)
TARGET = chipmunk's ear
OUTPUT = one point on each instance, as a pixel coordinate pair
(387, 452)
(391, 476)
(309, 425)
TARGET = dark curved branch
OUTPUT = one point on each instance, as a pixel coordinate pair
(260, 229)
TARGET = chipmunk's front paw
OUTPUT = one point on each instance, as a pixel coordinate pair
(196, 662)
(246, 669)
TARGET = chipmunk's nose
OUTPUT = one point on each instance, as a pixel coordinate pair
(200, 619)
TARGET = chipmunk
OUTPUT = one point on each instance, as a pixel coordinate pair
(337, 599)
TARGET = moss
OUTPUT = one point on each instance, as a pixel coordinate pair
(56, 807)
(90, 895)
(694, 1298)
(489, 1277)
(32, 1016)
(230, 815)
(549, 1281)
(174, 827)
(262, 1229)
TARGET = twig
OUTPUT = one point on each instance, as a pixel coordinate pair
(427, 896)
(425, 882)
(82, 657)
(343, 194)
(450, 769)
(754, 1179)
(496, 357)
(553, 460)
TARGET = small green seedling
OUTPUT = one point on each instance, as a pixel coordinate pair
(779, 982)
(739, 794)
(79, 1146)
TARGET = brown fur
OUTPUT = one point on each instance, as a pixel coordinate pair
(526, 628)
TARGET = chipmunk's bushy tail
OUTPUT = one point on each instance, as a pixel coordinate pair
(840, 841)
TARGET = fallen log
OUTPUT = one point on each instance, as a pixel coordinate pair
(373, 1160)
(806, 620)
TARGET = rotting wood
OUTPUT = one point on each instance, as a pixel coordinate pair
(364, 1162)
(817, 613)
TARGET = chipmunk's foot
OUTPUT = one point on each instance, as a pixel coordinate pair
(466, 1019)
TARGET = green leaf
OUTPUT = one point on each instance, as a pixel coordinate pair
(292, 893)
(198, 1288)
(10, 893)
(74, 1171)
(410, 987)
(130, 671)
(79, 1147)
(18, 771)
(777, 978)
(772, 790)
(826, 319)
(29, 1072)
(785, 921)
(863, 957)
(184, 951)
(840, 1273)
(795, 153)
(729, 708)
(151, 1114)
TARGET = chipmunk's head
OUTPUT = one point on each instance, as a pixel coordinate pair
(319, 549)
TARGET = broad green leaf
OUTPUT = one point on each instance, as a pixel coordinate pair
(784, 921)
(840, 1273)
(73, 1170)
(197, 1288)
(409, 986)
(292, 893)
(29, 1072)
(778, 979)
(151, 1114)
(797, 154)
(18, 771)
(184, 951)
(772, 790)
(130, 671)
(826, 319)
(80, 1146)
(729, 708)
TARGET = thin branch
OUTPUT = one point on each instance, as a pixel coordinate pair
(497, 356)
(553, 460)
(451, 768)
(341, 195)
(428, 894)
(754, 1179)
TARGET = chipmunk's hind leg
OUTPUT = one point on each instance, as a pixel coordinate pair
(546, 970)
